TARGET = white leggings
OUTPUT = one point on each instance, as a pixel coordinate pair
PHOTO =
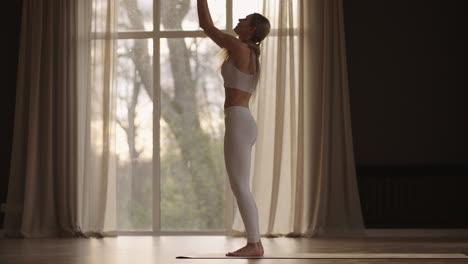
(240, 135)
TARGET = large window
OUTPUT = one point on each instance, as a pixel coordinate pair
(170, 113)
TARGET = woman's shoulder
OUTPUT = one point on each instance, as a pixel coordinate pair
(242, 54)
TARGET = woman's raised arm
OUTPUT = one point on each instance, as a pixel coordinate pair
(206, 23)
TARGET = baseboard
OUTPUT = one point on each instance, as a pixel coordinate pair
(375, 232)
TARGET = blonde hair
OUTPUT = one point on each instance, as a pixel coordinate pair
(262, 29)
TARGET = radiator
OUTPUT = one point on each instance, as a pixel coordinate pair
(414, 197)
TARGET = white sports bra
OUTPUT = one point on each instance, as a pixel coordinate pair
(234, 78)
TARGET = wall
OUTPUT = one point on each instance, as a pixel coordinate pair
(408, 91)
(10, 48)
(408, 88)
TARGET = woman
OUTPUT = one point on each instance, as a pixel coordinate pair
(240, 71)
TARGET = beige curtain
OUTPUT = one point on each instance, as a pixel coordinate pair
(62, 177)
(97, 160)
(303, 174)
(41, 198)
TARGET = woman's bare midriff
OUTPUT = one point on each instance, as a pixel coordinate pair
(236, 97)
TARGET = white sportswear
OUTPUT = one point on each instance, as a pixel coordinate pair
(240, 135)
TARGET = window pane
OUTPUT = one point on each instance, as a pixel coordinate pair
(135, 15)
(182, 14)
(192, 134)
(134, 112)
(242, 8)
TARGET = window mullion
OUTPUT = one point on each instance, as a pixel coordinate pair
(156, 120)
(229, 204)
(229, 15)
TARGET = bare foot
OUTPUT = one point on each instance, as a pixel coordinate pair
(251, 249)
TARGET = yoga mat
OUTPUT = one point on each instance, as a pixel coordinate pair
(334, 256)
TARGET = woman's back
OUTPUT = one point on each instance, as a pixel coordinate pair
(240, 78)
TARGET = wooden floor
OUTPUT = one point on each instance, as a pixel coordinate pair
(164, 249)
